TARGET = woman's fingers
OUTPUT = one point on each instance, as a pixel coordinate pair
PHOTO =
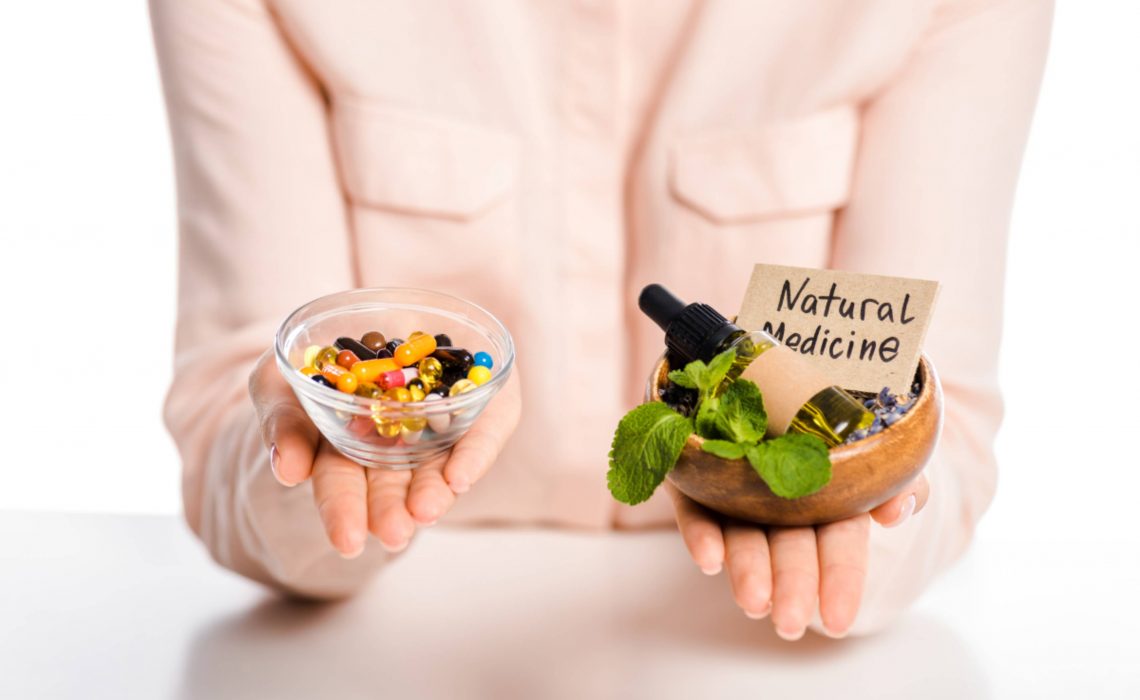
(388, 516)
(340, 491)
(476, 451)
(749, 568)
(843, 548)
(908, 502)
(700, 531)
(795, 578)
(429, 496)
(289, 435)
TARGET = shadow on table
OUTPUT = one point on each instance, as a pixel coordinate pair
(538, 632)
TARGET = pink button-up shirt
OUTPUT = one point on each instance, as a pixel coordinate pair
(546, 160)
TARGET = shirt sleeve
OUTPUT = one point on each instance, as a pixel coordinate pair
(262, 229)
(933, 186)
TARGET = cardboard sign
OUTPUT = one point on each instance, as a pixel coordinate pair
(864, 331)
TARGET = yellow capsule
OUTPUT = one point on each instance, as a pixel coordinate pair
(414, 350)
(431, 370)
(414, 423)
(369, 390)
(398, 393)
(417, 390)
(416, 334)
(461, 387)
(309, 370)
(479, 374)
(387, 427)
(325, 357)
(311, 354)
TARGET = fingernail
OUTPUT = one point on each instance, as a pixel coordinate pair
(907, 509)
(274, 460)
(358, 548)
(393, 550)
(759, 615)
(834, 635)
(791, 636)
(711, 570)
(459, 485)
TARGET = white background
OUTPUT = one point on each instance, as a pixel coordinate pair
(87, 275)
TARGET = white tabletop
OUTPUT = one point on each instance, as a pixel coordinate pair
(128, 606)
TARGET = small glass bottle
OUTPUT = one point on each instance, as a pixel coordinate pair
(797, 396)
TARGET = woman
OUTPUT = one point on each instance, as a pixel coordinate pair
(546, 160)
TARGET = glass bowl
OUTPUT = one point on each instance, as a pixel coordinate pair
(386, 433)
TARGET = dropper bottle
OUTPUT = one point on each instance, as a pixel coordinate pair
(797, 397)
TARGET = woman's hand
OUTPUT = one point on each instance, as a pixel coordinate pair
(785, 570)
(353, 500)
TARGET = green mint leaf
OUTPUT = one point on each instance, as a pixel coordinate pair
(741, 416)
(682, 378)
(723, 449)
(706, 418)
(793, 465)
(718, 369)
(646, 445)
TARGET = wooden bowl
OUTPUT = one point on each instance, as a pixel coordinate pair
(864, 474)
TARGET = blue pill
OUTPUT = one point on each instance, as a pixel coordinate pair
(482, 359)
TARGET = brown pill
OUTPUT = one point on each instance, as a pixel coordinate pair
(373, 340)
(358, 348)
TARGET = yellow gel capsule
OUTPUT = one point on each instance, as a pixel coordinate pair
(309, 370)
(325, 357)
(461, 387)
(387, 427)
(311, 354)
(431, 370)
(368, 390)
(479, 374)
(398, 393)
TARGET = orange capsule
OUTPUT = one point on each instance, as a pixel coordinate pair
(333, 372)
(369, 370)
(347, 383)
(415, 349)
(309, 370)
(346, 359)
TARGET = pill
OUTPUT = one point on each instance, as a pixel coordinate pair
(370, 370)
(368, 390)
(439, 390)
(456, 362)
(334, 372)
(461, 387)
(398, 393)
(309, 371)
(397, 378)
(362, 351)
(373, 340)
(326, 356)
(417, 388)
(414, 350)
(388, 427)
(437, 421)
(393, 344)
(442, 340)
(383, 352)
(479, 374)
(415, 334)
(347, 383)
(430, 370)
(484, 360)
(319, 379)
(346, 359)
(311, 354)
(412, 429)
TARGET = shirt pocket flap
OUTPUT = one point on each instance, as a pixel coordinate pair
(421, 164)
(799, 166)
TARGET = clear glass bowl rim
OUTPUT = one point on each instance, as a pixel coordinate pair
(359, 405)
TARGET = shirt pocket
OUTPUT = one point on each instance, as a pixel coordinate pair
(752, 174)
(413, 163)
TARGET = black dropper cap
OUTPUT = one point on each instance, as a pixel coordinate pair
(693, 331)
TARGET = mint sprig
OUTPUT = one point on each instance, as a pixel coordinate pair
(649, 439)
